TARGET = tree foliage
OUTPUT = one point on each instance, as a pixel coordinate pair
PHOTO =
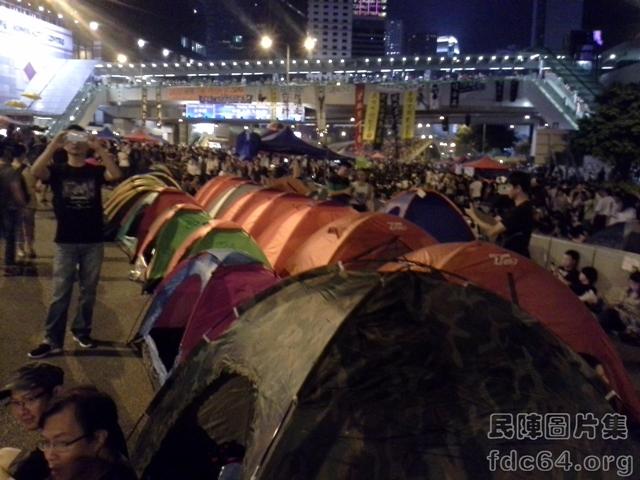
(497, 137)
(612, 133)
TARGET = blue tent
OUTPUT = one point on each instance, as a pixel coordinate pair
(107, 134)
(432, 212)
(284, 141)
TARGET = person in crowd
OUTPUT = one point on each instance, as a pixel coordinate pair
(123, 160)
(514, 229)
(27, 225)
(624, 316)
(12, 201)
(362, 193)
(339, 185)
(82, 439)
(587, 291)
(30, 389)
(79, 235)
(568, 272)
(603, 209)
(475, 190)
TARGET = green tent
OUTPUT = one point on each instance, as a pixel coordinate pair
(169, 240)
(238, 240)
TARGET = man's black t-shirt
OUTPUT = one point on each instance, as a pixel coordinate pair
(8, 176)
(519, 225)
(77, 201)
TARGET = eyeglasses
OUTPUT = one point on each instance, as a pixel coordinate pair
(27, 401)
(59, 446)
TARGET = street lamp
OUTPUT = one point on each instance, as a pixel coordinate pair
(166, 52)
(93, 26)
(266, 42)
(141, 42)
(310, 44)
(121, 58)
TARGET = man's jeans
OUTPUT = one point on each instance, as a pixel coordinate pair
(87, 257)
(8, 230)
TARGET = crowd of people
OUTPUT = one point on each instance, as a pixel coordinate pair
(81, 438)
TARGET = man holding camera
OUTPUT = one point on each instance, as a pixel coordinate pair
(77, 201)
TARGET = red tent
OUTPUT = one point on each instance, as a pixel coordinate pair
(141, 136)
(537, 292)
(366, 236)
(485, 163)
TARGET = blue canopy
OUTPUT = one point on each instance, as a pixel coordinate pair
(284, 141)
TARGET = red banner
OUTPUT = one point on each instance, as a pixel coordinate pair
(359, 116)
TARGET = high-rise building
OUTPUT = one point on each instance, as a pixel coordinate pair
(370, 8)
(394, 37)
(422, 43)
(553, 21)
(368, 37)
(330, 23)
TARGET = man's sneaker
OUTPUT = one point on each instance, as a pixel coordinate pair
(43, 350)
(85, 341)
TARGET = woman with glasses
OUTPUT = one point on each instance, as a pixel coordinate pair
(81, 437)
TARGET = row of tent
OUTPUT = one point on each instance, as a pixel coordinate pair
(327, 343)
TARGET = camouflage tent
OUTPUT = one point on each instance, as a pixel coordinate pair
(361, 375)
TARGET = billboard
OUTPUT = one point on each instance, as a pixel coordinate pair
(36, 52)
(290, 112)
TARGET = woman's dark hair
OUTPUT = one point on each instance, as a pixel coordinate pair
(591, 274)
(94, 410)
(635, 277)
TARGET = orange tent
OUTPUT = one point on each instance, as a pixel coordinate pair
(166, 199)
(289, 231)
(218, 190)
(249, 208)
(223, 202)
(537, 292)
(367, 236)
(485, 163)
(274, 212)
(212, 186)
(290, 185)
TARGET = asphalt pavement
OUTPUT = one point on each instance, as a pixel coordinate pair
(112, 366)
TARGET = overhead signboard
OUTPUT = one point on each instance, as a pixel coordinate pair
(208, 95)
(246, 111)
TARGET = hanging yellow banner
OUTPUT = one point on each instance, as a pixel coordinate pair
(273, 99)
(371, 117)
(408, 128)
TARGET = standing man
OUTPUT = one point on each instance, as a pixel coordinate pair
(12, 201)
(76, 188)
(514, 230)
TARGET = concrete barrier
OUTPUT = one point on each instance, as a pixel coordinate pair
(614, 266)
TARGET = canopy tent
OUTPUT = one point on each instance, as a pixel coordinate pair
(150, 246)
(284, 141)
(486, 163)
(376, 376)
(208, 191)
(218, 235)
(365, 237)
(188, 303)
(143, 136)
(126, 236)
(107, 134)
(432, 212)
(293, 226)
(169, 237)
(165, 200)
(224, 202)
(538, 293)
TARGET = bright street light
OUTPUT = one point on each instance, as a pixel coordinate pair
(266, 42)
(166, 52)
(121, 58)
(93, 26)
(141, 43)
(310, 43)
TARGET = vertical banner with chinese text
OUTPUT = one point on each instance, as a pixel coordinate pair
(380, 124)
(409, 114)
(359, 116)
(371, 117)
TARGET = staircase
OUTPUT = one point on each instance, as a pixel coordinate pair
(580, 82)
(77, 108)
(416, 150)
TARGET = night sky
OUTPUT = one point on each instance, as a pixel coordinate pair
(480, 25)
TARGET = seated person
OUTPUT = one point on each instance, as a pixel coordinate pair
(81, 437)
(31, 389)
(586, 289)
(568, 272)
(625, 315)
